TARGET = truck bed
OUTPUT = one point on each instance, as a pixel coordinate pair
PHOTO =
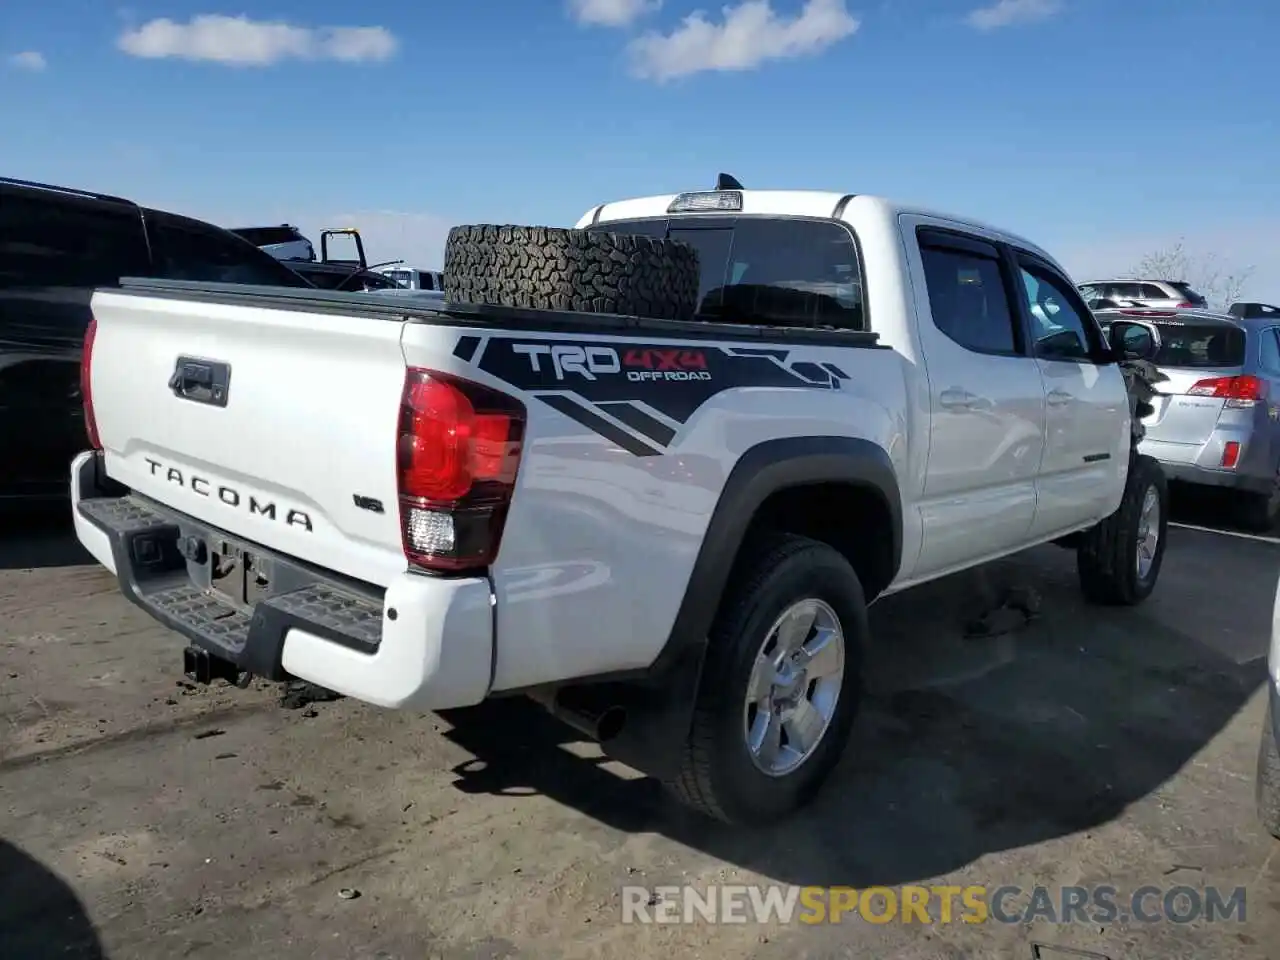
(374, 306)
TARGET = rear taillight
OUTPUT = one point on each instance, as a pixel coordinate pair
(86, 384)
(1242, 391)
(457, 455)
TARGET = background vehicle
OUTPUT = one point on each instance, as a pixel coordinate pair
(822, 398)
(1154, 294)
(284, 242)
(411, 278)
(1254, 311)
(1215, 422)
(56, 246)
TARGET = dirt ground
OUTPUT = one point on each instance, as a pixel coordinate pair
(143, 818)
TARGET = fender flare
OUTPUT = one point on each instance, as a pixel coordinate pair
(766, 469)
(659, 700)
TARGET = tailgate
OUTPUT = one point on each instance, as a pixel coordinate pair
(1183, 418)
(274, 424)
(1193, 349)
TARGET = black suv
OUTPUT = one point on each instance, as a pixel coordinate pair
(56, 246)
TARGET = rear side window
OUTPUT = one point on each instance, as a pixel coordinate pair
(65, 242)
(769, 270)
(1186, 291)
(1127, 291)
(192, 250)
(1200, 345)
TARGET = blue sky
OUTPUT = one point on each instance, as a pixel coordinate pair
(1103, 129)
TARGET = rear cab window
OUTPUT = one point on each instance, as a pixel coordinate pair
(1193, 345)
(773, 271)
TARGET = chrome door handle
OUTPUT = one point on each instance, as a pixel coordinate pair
(1060, 398)
(957, 399)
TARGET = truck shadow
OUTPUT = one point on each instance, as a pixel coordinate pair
(40, 916)
(39, 536)
(964, 747)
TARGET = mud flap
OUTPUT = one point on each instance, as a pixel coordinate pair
(659, 715)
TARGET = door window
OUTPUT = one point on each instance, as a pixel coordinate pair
(968, 301)
(1269, 351)
(1059, 331)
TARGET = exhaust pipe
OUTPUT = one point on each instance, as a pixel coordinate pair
(576, 707)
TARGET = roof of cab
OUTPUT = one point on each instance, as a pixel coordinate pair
(822, 204)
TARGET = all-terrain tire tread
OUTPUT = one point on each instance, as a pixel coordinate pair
(553, 268)
(1267, 781)
(693, 785)
(1106, 574)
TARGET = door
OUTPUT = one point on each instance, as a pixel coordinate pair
(986, 402)
(1087, 438)
(54, 250)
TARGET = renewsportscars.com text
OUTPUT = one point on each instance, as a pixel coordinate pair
(1101, 904)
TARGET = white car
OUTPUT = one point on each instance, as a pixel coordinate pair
(649, 471)
(411, 278)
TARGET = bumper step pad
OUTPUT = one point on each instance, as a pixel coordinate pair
(153, 574)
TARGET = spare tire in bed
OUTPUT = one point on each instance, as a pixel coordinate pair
(551, 268)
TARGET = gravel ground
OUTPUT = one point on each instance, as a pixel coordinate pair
(141, 817)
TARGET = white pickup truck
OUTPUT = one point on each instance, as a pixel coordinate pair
(649, 471)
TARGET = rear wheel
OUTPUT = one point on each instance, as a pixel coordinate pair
(780, 686)
(1267, 784)
(1260, 511)
(1119, 559)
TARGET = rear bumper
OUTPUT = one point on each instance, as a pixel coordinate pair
(1204, 477)
(1200, 465)
(422, 643)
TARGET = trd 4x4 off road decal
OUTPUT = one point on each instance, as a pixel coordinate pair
(649, 389)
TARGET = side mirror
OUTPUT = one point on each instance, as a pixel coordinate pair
(1133, 340)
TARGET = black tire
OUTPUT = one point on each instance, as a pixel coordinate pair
(717, 775)
(1107, 558)
(1267, 782)
(1259, 511)
(549, 268)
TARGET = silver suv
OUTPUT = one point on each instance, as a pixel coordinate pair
(1153, 294)
(1215, 419)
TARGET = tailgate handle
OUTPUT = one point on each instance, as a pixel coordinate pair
(201, 381)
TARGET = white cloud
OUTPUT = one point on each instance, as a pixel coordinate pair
(611, 13)
(1007, 13)
(31, 60)
(751, 34)
(241, 42)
